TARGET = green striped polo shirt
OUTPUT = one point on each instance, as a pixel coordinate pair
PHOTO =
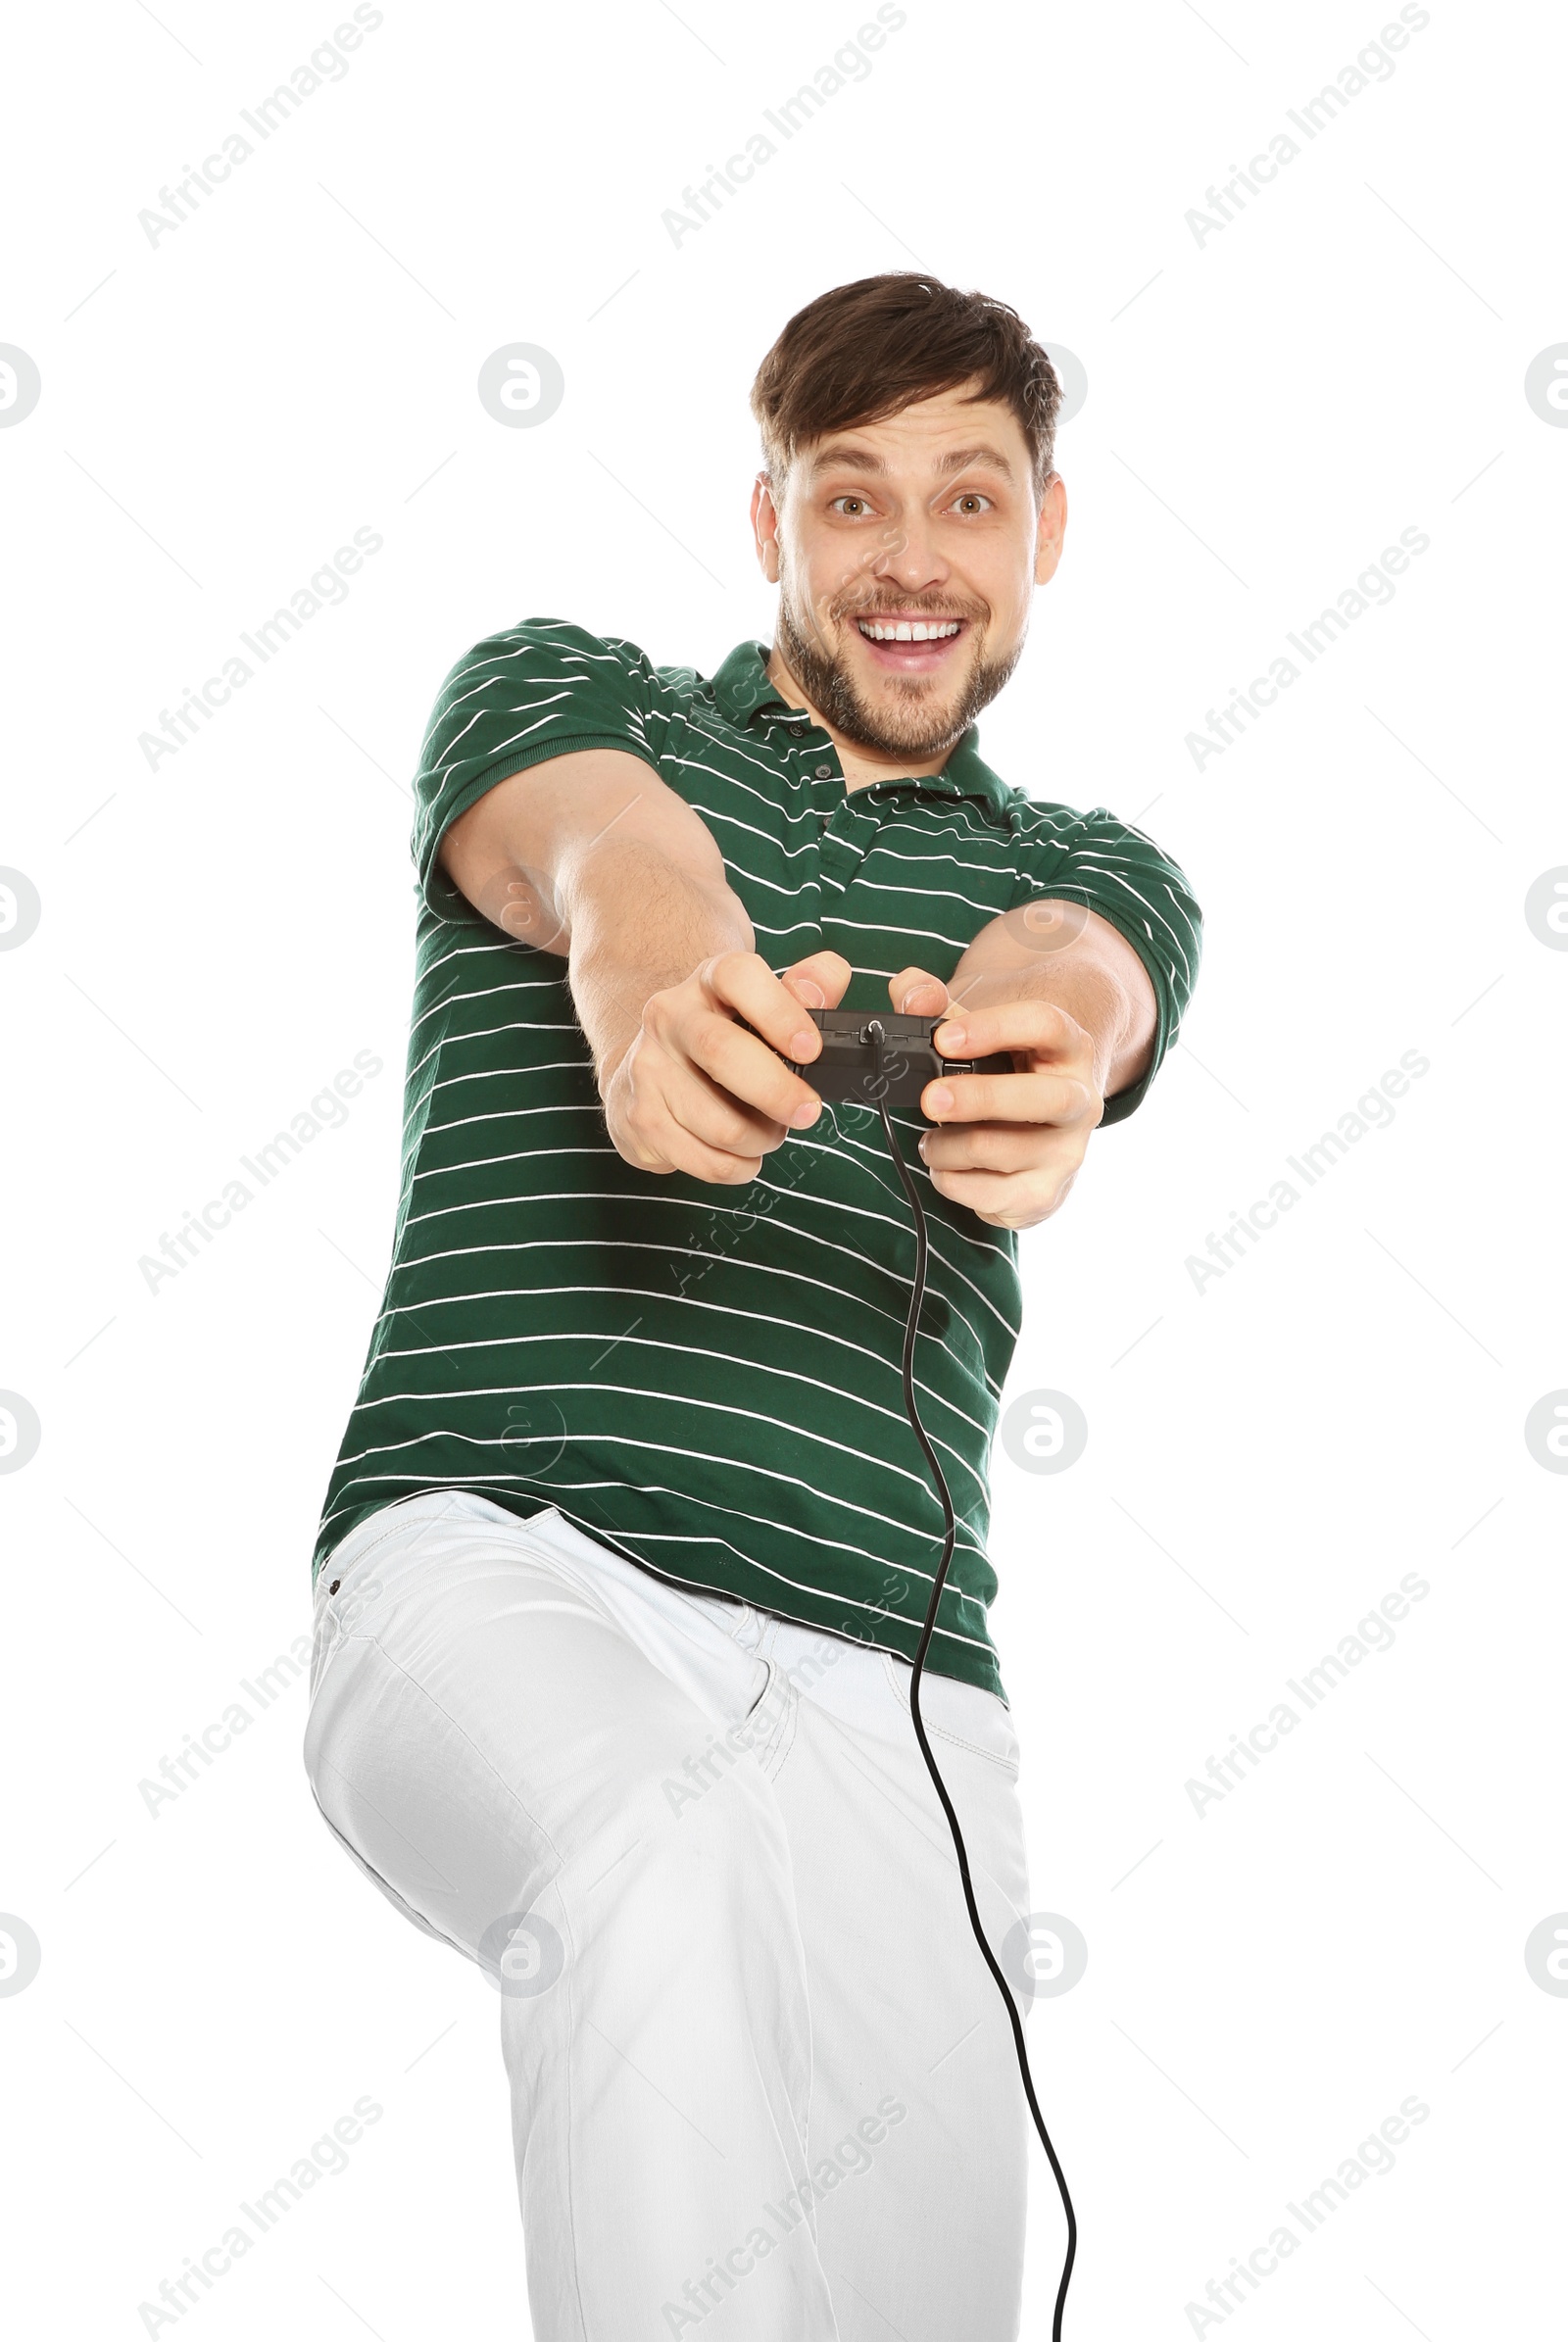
(707, 1378)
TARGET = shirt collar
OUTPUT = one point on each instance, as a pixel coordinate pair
(742, 691)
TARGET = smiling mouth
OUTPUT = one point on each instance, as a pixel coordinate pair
(904, 630)
(909, 646)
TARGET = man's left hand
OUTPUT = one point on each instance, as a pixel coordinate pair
(1009, 1144)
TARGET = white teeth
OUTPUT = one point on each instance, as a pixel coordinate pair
(906, 630)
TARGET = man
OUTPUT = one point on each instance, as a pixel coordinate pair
(629, 1546)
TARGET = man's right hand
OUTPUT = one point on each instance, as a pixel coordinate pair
(591, 857)
(694, 1090)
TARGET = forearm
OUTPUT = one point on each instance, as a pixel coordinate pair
(641, 920)
(1094, 975)
(593, 857)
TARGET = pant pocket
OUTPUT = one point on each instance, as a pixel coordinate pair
(342, 1604)
(961, 1715)
(353, 1580)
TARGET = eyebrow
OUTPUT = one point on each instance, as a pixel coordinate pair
(864, 460)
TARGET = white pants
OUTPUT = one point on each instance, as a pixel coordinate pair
(762, 2083)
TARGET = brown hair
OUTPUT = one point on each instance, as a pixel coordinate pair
(867, 350)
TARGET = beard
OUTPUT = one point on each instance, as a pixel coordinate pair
(921, 719)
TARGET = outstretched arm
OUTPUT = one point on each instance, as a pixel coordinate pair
(592, 856)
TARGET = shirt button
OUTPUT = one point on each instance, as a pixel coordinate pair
(796, 731)
(824, 772)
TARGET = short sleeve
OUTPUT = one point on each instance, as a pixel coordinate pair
(543, 689)
(1119, 872)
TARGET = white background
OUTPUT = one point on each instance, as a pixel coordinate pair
(1267, 1457)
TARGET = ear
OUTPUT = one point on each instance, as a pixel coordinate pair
(1052, 529)
(764, 527)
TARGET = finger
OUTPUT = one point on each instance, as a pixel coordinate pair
(746, 1068)
(1003, 1201)
(681, 1152)
(916, 992)
(819, 981)
(1007, 1147)
(714, 1116)
(1054, 1098)
(701, 1022)
(1039, 1025)
(743, 981)
(671, 1117)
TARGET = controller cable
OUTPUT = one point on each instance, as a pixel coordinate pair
(879, 1042)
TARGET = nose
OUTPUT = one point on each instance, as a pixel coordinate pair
(909, 559)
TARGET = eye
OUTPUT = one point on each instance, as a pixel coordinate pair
(858, 501)
(972, 501)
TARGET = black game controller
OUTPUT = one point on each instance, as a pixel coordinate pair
(851, 1067)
